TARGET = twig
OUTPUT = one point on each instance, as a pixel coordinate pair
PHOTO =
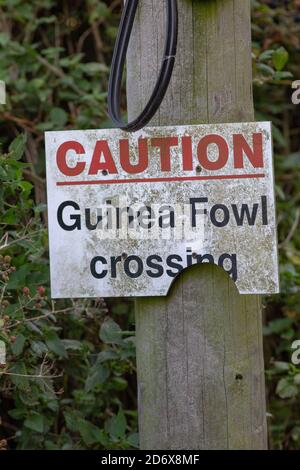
(43, 363)
(33, 177)
(292, 231)
(21, 122)
(59, 73)
(27, 376)
(25, 237)
(98, 42)
(82, 39)
(2, 293)
(39, 317)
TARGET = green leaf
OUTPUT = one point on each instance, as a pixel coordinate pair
(280, 58)
(98, 376)
(40, 208)
(107, 355)
(20, 380)
(266, 55)
(286, 389)
(10, 217)
(281, 366)
(4, 39)
(133, 440)
(99, 10)
(118, 383)
(73, 419)
(90, 433)
(58, 117)
(55, 344)
(265, 70)
(26, 186)
(283, 75)
(72, 344)
(297, 379)
(93, 68)
(17, 146)
(116, 426)
(35, 422)
(296, 434)
(110, 332)
(278, 326)
(39, 348)
(18, 413)
(18, 346)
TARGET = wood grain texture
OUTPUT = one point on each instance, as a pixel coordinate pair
(199, 351)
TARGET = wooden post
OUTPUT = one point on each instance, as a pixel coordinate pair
(199, 351)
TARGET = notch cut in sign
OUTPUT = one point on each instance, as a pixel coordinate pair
(104, 159)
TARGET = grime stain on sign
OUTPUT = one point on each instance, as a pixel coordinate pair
(128, 213)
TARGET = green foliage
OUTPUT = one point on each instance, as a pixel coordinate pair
(72, 360)
(276, 35)
(69, 381)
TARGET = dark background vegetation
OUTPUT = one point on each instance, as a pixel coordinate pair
(69, 381)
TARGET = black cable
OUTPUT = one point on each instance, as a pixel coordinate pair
(119, 57)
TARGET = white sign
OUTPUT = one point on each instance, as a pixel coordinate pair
(129, 212)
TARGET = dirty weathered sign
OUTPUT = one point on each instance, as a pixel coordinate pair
(128, 213)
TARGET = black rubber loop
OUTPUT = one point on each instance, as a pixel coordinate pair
(118, 62)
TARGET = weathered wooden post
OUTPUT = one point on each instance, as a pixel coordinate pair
(199, 351)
